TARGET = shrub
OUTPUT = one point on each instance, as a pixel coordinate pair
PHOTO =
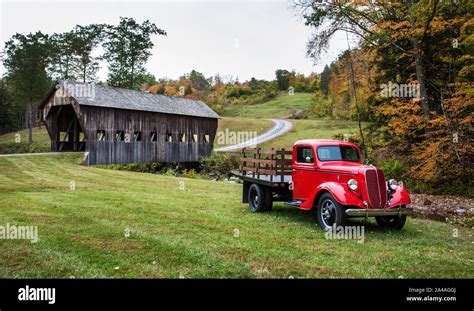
(222, 163)
(393, 168)
(14, 147)
(134, 167)
(190, 173)
(169, 172)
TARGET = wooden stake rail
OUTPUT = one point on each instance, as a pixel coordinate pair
(272, 163)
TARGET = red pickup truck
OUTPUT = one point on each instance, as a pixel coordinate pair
(327, 176)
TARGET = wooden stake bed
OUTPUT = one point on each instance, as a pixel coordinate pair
(267, 167)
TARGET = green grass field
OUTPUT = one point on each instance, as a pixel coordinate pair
(201, 230)
(281, 106)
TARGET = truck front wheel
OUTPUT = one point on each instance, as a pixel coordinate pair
(329, 212)
(258, 198)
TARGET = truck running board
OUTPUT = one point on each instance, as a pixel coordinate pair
(296, 203)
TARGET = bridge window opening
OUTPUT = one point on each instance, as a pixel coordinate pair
(153, 136)
(137, 136)
(100, 135)
(119, 136)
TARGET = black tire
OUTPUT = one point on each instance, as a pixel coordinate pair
(257, 198)
(391, 222)
(268, 200)
(329, 212)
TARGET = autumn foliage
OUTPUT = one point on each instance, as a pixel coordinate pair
(429, 45)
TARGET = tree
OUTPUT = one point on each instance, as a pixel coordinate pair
(198, 81)
(6, 109)
(324, 82)
(397, 40)
(72, 53)
(84, 41)
(27, 59)
(283, 79)
(127, 48)
(62, 56)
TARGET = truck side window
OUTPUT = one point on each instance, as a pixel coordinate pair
(303, 153)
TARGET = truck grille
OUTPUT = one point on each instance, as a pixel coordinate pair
(376, 189)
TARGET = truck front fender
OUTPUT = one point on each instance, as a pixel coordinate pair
(400, 197)
(342, 195)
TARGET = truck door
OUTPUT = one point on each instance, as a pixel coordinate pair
(304, 172)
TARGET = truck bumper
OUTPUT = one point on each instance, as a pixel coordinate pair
(371, 212)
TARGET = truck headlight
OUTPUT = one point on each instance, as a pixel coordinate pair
(393, 184)
(352, 184)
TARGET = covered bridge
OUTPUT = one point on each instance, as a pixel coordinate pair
(115, 125)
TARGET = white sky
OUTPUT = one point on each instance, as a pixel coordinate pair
(239, 38)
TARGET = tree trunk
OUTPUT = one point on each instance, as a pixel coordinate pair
(30, 125)
(420, 76)
(84, 71)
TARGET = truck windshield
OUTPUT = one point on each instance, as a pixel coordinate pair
(338, 153)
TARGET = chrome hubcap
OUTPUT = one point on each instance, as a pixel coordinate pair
(328, 212)
(255, 200)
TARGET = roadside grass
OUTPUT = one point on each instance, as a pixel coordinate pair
(41, 142)
(202, 231)
(281, 106)
(39, 134)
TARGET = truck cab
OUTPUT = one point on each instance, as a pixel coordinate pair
(328, 177)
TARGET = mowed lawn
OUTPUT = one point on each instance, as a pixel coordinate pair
(193, 228)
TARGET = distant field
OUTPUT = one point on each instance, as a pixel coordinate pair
(281, 106)
(202, 231)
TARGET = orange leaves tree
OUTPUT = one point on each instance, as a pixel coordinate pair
(427, 44)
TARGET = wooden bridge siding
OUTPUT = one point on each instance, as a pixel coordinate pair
(112, 120)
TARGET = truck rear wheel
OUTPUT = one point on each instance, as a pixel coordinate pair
(329, 212)
(258, 197)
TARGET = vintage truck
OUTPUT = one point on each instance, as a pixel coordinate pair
(326, 176)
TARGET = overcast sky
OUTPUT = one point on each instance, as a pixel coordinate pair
(239, 38)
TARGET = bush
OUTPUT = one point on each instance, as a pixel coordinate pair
(190, 173)
(222, 163)
(134, 167)
(321, 107)
(14, 147)
(393, 168)
(170, 172)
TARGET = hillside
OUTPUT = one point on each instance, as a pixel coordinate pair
(284, 106)
(280, 107)
(200, 231)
